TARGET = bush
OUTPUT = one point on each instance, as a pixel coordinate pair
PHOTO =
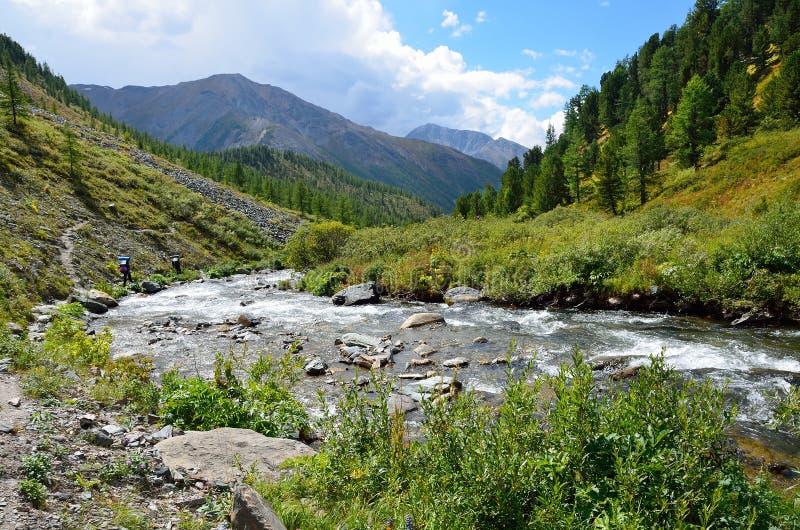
(38, 467)
(262, 402)
(653, 455)
(316, 244)
(325, 281)
(33, 492)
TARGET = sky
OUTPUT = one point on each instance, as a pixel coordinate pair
(502, 67)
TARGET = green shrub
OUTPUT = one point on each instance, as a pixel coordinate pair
(38, 467)
(67, 343)
(316, 244)
(127, 379)
(33, 492)
(652, 455)
(787, 411)
(325, 281)
(262, 402)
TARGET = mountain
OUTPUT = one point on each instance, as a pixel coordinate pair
(472, 143)
(229, 110)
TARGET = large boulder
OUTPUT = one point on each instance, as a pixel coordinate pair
(214, 456)
(99, 296)
(251, 512)
(149, 287)
(90, 305)
(422, 319)
(462, 294)
(363, 293)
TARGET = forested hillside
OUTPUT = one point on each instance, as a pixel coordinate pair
(680, 101)
(289, 180)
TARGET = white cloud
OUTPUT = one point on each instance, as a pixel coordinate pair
(565, 53)
(348, 58)
(605, 3)
(532, 54)
(548, 99)
(450, 19)
(480, 18)
(459, 31)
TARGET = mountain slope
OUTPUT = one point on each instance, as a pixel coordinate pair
(225, 111)
(63, 226)
(473, 143)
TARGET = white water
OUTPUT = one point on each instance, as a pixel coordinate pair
(696, 347)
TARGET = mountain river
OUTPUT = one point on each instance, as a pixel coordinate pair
(186, 325)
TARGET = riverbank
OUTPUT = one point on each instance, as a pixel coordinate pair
(268, 306)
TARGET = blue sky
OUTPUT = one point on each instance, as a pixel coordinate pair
(503, 67)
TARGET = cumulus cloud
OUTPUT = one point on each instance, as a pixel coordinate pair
(450, 19)
(565, 53)
(548, 99)
(348, 58)
(480, 18)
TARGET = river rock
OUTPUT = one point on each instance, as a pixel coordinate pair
(212, 456)
(363, 293)
(357, 339)
(149, 287)
(400, 404)
(315, 366)
(14, 328)
(608, 362)
(625, 373)
(456, 362)
(251, 512)
(90, 305)
(422, 319)
(425, 350)
(462, 294)
(104, 298)
(435, 385)
(480, 340)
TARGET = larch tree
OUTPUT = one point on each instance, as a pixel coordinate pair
(13, 101)
(643, 145)
(691, 127)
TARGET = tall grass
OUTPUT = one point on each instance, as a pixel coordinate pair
(653, 455)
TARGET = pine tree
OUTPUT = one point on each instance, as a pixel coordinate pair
(643, 145)
(609, 183)
(691, 127)
(13, 101)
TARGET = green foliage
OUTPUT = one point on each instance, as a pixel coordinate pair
(67, 343)
(133, 466)
(315, 244)
(261, 402)
(691, 127)
(787, 411)
(38, 467)
(609, 182)
(325, 281)
(127, 380)
(13, 100)
(34, 492)
(653, 455)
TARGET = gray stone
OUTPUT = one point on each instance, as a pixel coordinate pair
(163, 434)
(87, 420)
(251, 512)
(14, 402)
(435, 385)
(480, 340)
(5, 364)
(315, 366)
(363, 293)
(357, 339)
(6, 429)
(221, 454)
(149, 287)
(412, 375)
(103, 298)
(90, 305)
(422, 319)
(113, 430)
(14, 328)
(425, 350)
(98, 437)
(400, 404)
(456, 362)
(462, 294)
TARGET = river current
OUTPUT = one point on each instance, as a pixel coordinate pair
(186, 325)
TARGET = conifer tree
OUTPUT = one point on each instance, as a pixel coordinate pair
(643, 145)
(13, 101)
(609, 183)
(691, 127)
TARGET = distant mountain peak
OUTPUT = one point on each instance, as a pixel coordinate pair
(230, 110)
(473, 143)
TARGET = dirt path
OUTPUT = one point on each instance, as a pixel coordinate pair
(67, 249)
(11, 446)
